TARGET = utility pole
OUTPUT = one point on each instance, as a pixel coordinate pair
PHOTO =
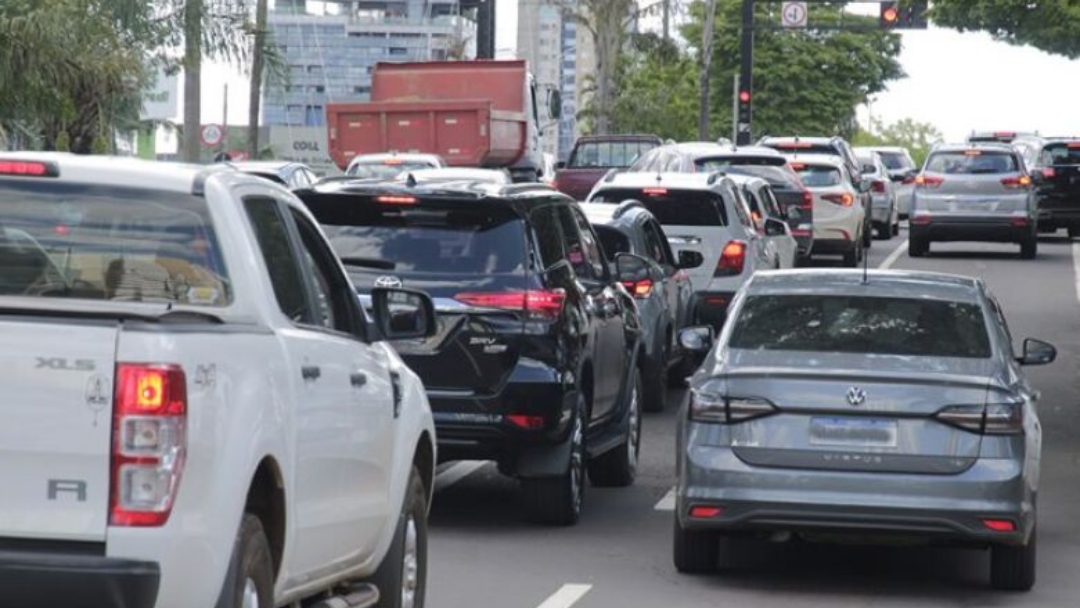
(745, 117)
(706, 67)
(225, 124)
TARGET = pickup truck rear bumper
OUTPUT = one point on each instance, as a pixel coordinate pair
(34, 579)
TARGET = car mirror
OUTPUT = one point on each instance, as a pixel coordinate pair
(774, 227)
(865, 185)
(403, 314)
(630, 268)
(554, 99)
(1037, 352)
(690, 259)
(561, 164)
(697, 340)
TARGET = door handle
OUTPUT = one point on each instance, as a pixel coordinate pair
(310, 372)
(358, 379)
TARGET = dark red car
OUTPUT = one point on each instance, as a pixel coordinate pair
(594, 155)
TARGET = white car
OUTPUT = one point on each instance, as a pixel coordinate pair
(703, 213)
(884, 209)
(197, 411)
(839, 218)
(390, 165)
(759, 198)
(902, 171)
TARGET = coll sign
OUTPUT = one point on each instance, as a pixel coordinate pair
(307, 145)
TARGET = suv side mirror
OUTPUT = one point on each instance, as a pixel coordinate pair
(561, 164)
(630, 268)
(554, 99)
(690, 259)
(1037, 352)
(865, 185)
(774, 227)
(697, 340)
(403, 314)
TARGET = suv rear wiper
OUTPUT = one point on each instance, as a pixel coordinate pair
(368, 263)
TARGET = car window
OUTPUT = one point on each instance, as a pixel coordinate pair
(71, 240)
(654, 245)
(818, 176)
(741, 210)
(298, 180)
(752, 202)
(606, 154)
(613, 241)
(575, 247)
(673, 207)
(972, 162)
(895, 161)
(333, 294)
(593, 253)
(771, 204)
(272, 234)
(658, 231)
(999, 316)
(673, 164)
(385, 170)
(1061, 154)
(861, 325)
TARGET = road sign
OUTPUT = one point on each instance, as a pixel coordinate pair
(212, 135)
(793, 14)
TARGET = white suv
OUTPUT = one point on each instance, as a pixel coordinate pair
(840, 218)
(197, 411)
(701, 212)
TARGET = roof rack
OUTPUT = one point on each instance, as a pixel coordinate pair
(715, 175)
(626, 206)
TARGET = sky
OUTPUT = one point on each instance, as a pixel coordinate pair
(958, 82)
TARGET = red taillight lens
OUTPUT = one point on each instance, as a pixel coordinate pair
(928, 181)
(705, 512)
(639, 289)
(1049, 173)
(732, 260)
(844, 199)
(1019, 222)
(26, 169)
(544, 304)
(1022, 181)
(1000, 525)
(654, 191)
(149, 443)
(879, 186)
(396, 200)
(528, 423)
(807, 200)
(921, 219)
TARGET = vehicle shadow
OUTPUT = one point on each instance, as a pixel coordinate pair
(484, 501)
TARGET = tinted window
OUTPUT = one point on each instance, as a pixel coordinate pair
(656, 245)
(862, 325)
(272, 234)
(332, 291)
(778, 176)
(805, 148)
(721, 163)
(867, 165)
(673, 207)
(549, 238)
(382, 170)
(613, 241)
(66, 240)
(431, 237)
(1062, 154)
(608, 153)
(972, 162)
(819, 176)
(894, 161)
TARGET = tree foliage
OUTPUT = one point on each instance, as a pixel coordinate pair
(917, 137)
(657, 90)
(1050, 25)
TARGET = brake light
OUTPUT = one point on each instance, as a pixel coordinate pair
(798, 166)
(1016, 182)
(1049, 173)
(654, 191)
(993, 419)
(704, 512)
(972, 152)
(545, 304)
(1009, 134)
(27, 168)
(639, 289)
(909, 180)
(396, 200)
(1073, 145)
(706, 407)
(1000, 525)
(1019, 222)
(528, 423)
(879, 186)
(920, 218)
(392, 161)
(845, 199)
(928, 181)
(149, 443)
(732, 259)
(807, 200)
(795, 145)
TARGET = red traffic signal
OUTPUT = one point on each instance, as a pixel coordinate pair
(890, 14)
(744, 96)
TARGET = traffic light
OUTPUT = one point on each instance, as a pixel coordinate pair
(746, 108)
(916, 14)
(903, 15)
(890, 15)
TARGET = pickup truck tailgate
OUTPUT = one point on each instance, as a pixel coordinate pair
(55, 428)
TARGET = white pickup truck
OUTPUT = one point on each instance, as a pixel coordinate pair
(195, 411)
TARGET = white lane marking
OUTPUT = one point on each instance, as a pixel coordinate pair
(1076, 267)
(895, 255)
(667, 503)
(566, 597)
(456, 473)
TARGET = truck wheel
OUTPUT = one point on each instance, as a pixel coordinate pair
(1013, 568)
(695, 551)
(617, 467)
(558, 500)
(402, 575)
(249, 582)
(654, 385)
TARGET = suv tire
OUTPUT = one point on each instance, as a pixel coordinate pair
(695, 551)
(617, 468)
(654, 380)
(918, 248)
(1029, 248)
(853, 256)
(1074, 232)
(250, 578)
(558, 500)
(1013, 568)
(402, 575)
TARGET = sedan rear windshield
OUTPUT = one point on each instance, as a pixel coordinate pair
(1062, 154)
(972, 162)
(862, 325)
(894, 161)
(819, 176)
(673, 207)
(604, 154)
(381, 170)
(428, 237)
(804, 148)
(68, 240)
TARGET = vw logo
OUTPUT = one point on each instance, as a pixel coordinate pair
(856, 396)
(388, 282)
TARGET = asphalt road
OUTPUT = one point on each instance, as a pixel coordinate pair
(619, 556)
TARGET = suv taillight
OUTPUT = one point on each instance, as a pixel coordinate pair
(807, 200)
(731, 260)
(149, 443)
(546, 304)
(844, 200)
(879, 186)
(928, 181)
(639, 289)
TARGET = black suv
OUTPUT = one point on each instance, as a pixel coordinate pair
(535, 361)
(1054, 163)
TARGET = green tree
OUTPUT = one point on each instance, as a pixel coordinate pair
(1050, 25)
(917, 137)
(657, 90)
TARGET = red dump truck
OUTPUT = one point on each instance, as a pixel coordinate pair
(471, 113)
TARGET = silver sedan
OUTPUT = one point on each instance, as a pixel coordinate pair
(834, 407)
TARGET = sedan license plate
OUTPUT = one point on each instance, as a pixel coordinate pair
(853, 432)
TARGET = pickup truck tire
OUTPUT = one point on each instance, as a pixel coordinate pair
(617, 467)
(558, 500)
(250, 579)
(402, 576)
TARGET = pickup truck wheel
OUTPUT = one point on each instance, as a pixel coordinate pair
(695, 551)
(558, 500)
(617, 468)
(402, 576)
(250, 580)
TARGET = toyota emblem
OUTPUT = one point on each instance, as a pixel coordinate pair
(856, 396)
(388, 282)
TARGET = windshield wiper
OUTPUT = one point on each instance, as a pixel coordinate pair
(369, 263)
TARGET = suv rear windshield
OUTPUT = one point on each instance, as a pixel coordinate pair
(894, 161)
(862, 325)
(803, 148)
(773, 170)
(604, 154)
(673, 207)
(1062, 154)
(972, 162)
(430, 237)
(383, 170)
(68, 240)
(819, 176)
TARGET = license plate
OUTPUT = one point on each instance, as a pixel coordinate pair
(853, 432)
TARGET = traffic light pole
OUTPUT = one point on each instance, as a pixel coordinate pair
(745, 118)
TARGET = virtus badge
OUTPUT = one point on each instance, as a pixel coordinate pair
(856, 396)
(388, 282)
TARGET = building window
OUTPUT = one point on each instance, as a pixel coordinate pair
(397, 51)
(361, 90)
(314, 116)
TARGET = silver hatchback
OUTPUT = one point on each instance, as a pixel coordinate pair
(890, 409)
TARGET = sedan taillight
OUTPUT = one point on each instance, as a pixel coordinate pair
(705, 407)
(993, 419)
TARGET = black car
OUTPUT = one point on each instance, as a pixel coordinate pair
(535, 362)
(1054, 164)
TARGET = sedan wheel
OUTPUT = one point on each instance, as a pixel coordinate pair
(1013, 568)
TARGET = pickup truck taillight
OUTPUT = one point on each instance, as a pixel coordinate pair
(149, 443)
